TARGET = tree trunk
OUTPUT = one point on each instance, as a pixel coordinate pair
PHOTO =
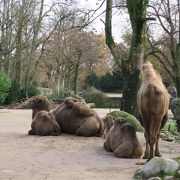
(130, 67)
(76, 77)
(109, 39)
(18, 53)
(35, 43)
(177, 69)
(137, 13)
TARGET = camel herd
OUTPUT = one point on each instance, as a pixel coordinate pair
(76, 117)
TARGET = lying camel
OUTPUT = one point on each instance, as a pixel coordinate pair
(75, 117)
(153, 102)
(108, 123)
(44, 122)
(122, 140)
(37, 103)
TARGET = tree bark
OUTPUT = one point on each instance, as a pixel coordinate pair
(130, 67)
(18, 53)
(109, 39)
(137, 13)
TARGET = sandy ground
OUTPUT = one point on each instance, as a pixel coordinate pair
(65, 157)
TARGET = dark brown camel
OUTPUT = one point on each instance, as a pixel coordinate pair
(122, 140)
(43, 121)
(75, 117)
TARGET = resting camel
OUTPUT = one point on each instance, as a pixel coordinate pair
(44, 122)
(122, 140)
(75, 117)
(153, 102)
(108, 123)
(37, 103)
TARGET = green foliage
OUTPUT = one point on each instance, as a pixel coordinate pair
(174, 103)
(5, 84)
(175, 108)
(177, 117)
(57, 96)
(170, 125)
(111, 82)
(29, 91)
(14, 93)
(128, 118)
(92, 95)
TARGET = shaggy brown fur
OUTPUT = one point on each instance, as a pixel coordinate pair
(108, 123)
(37, 103)
(75, 117)
(122, 140)
(44, 122)
(153, 102)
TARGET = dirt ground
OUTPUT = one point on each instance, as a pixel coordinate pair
(65, 157)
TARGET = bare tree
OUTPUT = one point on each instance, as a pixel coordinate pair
(167, 47)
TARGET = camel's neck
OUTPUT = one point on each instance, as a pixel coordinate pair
(34, 112)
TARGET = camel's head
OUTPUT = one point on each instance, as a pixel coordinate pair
(108, 122)
(37, 102)
(119, 122)
(148, 71)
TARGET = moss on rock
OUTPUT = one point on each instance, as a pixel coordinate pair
(128, 118)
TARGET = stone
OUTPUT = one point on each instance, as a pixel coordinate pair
(155, 178)
(157, 166)
(178, 174)
(169, 178)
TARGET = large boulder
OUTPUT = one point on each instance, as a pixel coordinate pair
(157, 166)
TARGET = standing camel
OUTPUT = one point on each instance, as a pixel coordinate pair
(153, 102)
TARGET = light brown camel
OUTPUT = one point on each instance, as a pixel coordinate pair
(153, 102)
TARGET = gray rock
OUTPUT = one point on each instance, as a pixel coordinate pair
(178, 174)
(170, 138)
(157, 166)
(155, 178)
(169, 178)
(163, 135)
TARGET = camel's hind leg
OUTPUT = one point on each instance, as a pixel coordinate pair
(152, 140)
(146, 154)
(157, 153)
(153, 136)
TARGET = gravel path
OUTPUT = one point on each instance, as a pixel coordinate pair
(65, 157)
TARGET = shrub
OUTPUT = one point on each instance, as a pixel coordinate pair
(29, 91)
(175, 108)
(174, 103)
(5, 84)
(110, 82)
(57, 97)
(92, 95)
(177, 117)
(14, 93)
(128, 118)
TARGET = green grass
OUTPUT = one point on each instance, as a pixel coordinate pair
(170, 125)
